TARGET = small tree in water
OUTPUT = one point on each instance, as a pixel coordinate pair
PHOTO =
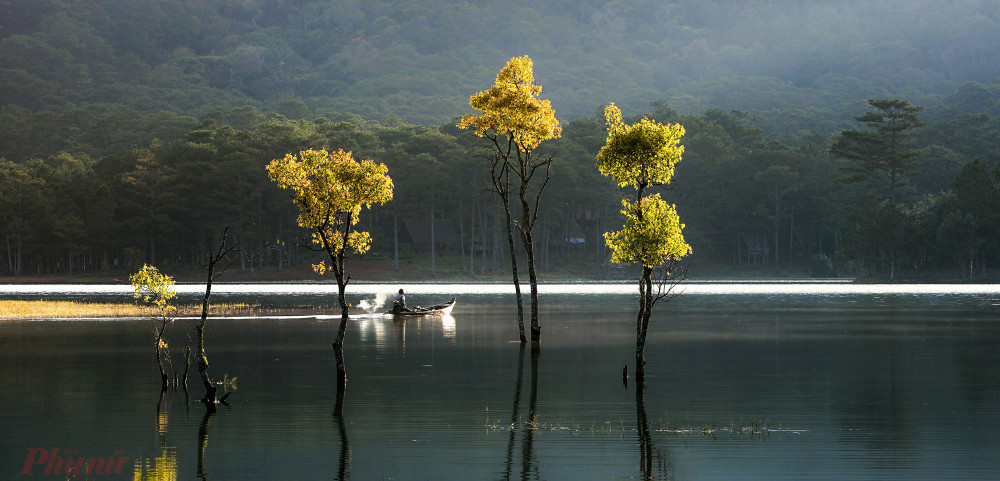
(330, 190)
(156, 289)
(643, 155)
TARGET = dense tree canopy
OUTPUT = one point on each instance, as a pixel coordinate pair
(815, 61)
(132, 129)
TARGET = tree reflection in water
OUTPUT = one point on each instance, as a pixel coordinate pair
(164, 466)
(529, 466)
(345, 446)
(650, 457)
(203, 442)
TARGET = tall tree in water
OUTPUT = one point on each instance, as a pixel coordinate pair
(213, 259)
(641, 156)
(330, 190)
(516, 121)
(881, 155)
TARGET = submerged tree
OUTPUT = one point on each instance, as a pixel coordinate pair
(157, 290)
(330, 190)
(643, 155)
(214, 258)
(516, 121)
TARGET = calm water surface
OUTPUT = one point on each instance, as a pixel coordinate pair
(745, 381)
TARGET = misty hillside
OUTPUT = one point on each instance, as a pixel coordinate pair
(794, 64)
(130, 130)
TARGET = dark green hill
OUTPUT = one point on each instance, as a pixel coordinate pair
(420, 60)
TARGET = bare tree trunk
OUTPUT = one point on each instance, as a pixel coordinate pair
(210, 390)
(526, 227)
(159, 356)
(517, 282)
(513, 254)
(642, 323)
(536, 330)
(338, 343)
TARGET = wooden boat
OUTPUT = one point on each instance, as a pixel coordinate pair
(435, 310)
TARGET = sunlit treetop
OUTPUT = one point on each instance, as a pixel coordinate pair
(330, 189)
(512, 108)
(642, 154)
(153, 287)
(652, 234)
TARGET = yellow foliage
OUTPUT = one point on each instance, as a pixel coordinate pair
(153, 287)
(641, 154)
(652, 234)
(330, 189)
(511, 108)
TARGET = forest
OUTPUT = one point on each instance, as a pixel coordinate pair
(133, 130)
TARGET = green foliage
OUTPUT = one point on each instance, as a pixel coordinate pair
(820, 266)
(881, 155)
(808, 61)
(90, 189)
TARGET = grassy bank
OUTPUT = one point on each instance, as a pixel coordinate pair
(72, 309)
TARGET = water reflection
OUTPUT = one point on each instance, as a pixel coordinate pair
(874, 402)
(206, 419)
(379, 330)
(878, 388)
(527, 429)
(164, 466)
(345, 445)
(652, 462)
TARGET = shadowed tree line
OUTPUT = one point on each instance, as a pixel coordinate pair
(750, 201)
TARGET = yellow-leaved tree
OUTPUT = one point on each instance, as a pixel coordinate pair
(643, 155)
(157, 289)
(330, 189)
(516, 122)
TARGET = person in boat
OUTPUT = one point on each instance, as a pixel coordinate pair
(399, 303)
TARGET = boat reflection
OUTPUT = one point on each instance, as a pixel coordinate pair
(391, 332)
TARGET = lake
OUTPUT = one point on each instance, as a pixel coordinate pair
(808, 380)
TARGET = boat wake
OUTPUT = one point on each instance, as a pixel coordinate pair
(372, 306)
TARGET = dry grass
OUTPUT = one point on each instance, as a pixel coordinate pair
(72, 309)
